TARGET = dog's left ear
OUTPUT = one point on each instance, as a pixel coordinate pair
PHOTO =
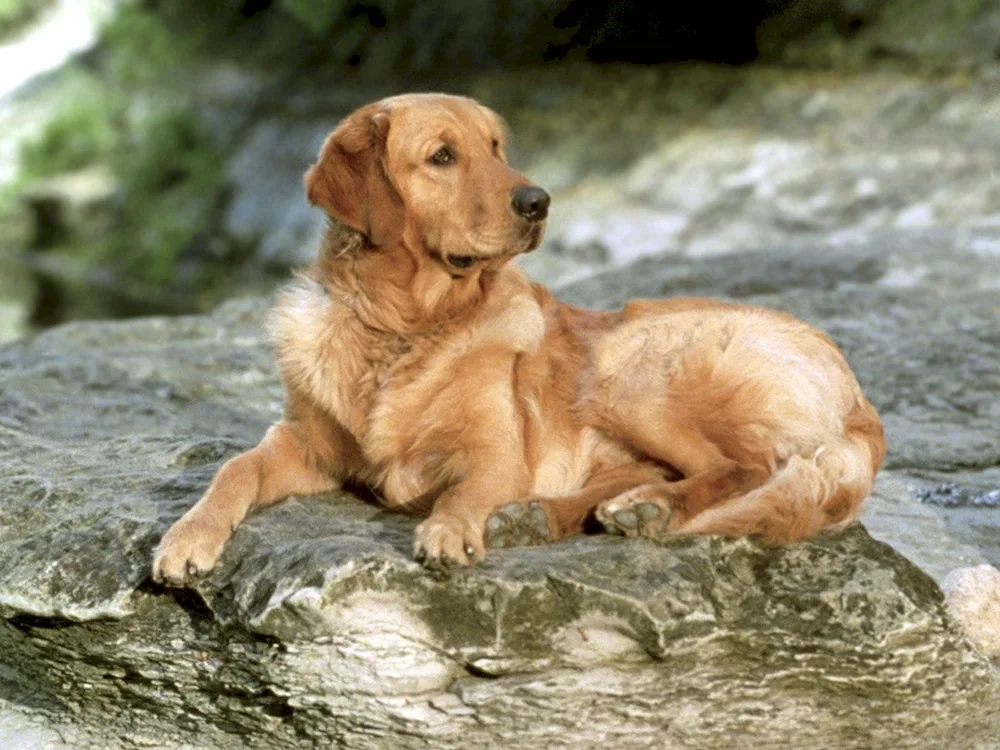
(350, 180)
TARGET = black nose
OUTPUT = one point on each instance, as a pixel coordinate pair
(530, 202)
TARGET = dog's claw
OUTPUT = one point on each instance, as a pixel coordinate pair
(444, 542)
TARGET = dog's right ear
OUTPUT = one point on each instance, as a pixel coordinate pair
(350, 181)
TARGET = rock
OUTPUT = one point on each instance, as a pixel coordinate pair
(78, 206)
(318, 630)
(936, 33)
(722, 162)
(893, 514)
(974, 600)
(695, 160)
(268, 209)
(951, 495)
(159, 394)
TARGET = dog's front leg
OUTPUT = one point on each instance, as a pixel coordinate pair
(453, 533)
(281, 465)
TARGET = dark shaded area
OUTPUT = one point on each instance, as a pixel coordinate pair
(407, 36)
(648, 33)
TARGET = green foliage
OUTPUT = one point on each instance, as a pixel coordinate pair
(318, 17)
(76, 136)
(16, 13)
(171, 175)
(146, 52)
(140, 120)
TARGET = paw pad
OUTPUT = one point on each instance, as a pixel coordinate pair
(639, 519)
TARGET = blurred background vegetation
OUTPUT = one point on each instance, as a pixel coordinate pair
(154, 168)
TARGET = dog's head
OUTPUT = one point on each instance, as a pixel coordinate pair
(429, 170)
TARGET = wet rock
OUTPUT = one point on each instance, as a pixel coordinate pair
(317, 629)
(951, 495)
(131, 421)
(757, 160)
(268, 210)
(919, 532)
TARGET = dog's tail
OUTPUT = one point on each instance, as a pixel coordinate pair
(806, 494)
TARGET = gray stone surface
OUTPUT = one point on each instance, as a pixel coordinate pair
(695, 160)
(317, 629)
(943, 34)
(108, 431)
(710, 161)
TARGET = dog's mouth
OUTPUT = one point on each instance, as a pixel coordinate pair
(463, 261)
(459, 265)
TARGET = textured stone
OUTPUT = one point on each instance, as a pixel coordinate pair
(318, 630)
(974, 600)
(108, 431)
(932, 33)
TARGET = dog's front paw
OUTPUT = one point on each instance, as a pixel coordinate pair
(188, 550)
(521, 524)
(445, 540)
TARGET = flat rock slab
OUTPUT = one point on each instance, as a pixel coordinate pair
(318, 630)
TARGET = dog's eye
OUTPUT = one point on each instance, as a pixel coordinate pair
(443, 157)
(496, 146)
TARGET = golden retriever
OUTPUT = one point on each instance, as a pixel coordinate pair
(419, 361)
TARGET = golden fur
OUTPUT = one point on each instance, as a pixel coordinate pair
(417, 360)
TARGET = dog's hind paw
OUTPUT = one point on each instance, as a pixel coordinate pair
(517, 525)
(634, 514)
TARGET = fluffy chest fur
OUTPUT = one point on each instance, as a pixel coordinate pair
(405, 398)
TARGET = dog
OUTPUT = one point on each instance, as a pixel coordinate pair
(417, 360)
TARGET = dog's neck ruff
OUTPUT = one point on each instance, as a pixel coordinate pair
(387, 292)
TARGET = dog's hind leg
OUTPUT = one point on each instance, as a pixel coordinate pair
(805, 495)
